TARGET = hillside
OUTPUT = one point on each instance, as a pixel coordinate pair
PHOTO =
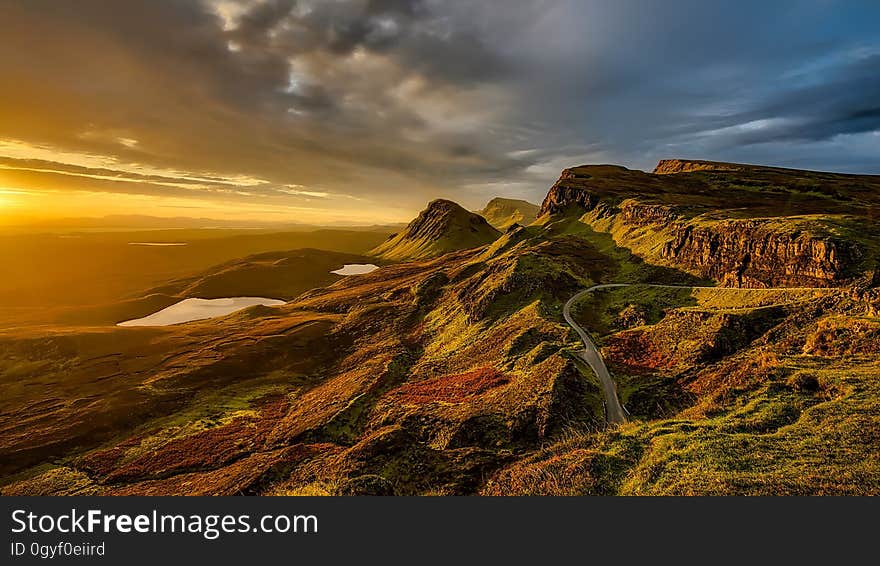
(502, 212)
(442, 227)
(457, 374)
(741, 225)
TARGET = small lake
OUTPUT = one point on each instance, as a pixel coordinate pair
(199, 309)
(356, 269)
(160, 244)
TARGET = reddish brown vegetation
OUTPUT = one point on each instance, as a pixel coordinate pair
(245, 476)
(272, 409)
(204, 450)
(207, 449)
(722, 380)
(452, 388)
(843, 337)
(636, 351)
(571, 473)
(102, 462)
(414, 338)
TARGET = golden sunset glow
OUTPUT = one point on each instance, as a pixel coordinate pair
(41, 183)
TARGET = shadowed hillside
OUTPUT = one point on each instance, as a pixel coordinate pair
(276, 275)
(51, 277)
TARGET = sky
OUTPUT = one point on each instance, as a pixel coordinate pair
(362, 111)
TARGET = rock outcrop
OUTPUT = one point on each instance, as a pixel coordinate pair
(567, 193)
(750, 253)
(672, 166)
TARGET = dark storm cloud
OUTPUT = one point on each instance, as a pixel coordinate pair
(847, 102)
(418, 36)
(400, 101)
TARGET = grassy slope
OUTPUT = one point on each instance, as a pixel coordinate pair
(794, 412)
(475, 377)
(750, 192)
(439, 229)
(67, 391)
(772, 418)
(401, 248)
(822, 204)
(457, 375)
(502, 212)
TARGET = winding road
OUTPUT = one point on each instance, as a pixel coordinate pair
(615, 413)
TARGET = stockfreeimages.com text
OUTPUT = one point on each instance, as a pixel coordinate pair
(209, 526)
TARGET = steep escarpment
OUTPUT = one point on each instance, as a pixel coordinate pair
(442, 227)
(577, 188)
(741, 225)
(756, 253)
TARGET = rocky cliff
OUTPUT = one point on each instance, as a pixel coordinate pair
(569, 191)
(753, 253)
(672, 166)
(723, 226)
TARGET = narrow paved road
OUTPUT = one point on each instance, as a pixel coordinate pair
(614, 411)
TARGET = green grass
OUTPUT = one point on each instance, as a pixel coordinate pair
(771, 419)
(629, 266)
(778, 442)
(596, 399)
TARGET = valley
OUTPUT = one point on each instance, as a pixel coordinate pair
(86, 278)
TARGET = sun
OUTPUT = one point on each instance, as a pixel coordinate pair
(8, 200)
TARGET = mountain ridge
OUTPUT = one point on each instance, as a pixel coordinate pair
(442, 227)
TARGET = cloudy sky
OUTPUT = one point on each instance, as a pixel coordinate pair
(363, 110)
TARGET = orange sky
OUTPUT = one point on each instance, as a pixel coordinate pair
(40, 183)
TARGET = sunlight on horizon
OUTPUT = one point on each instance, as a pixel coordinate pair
(43, 183)
(29, 206)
